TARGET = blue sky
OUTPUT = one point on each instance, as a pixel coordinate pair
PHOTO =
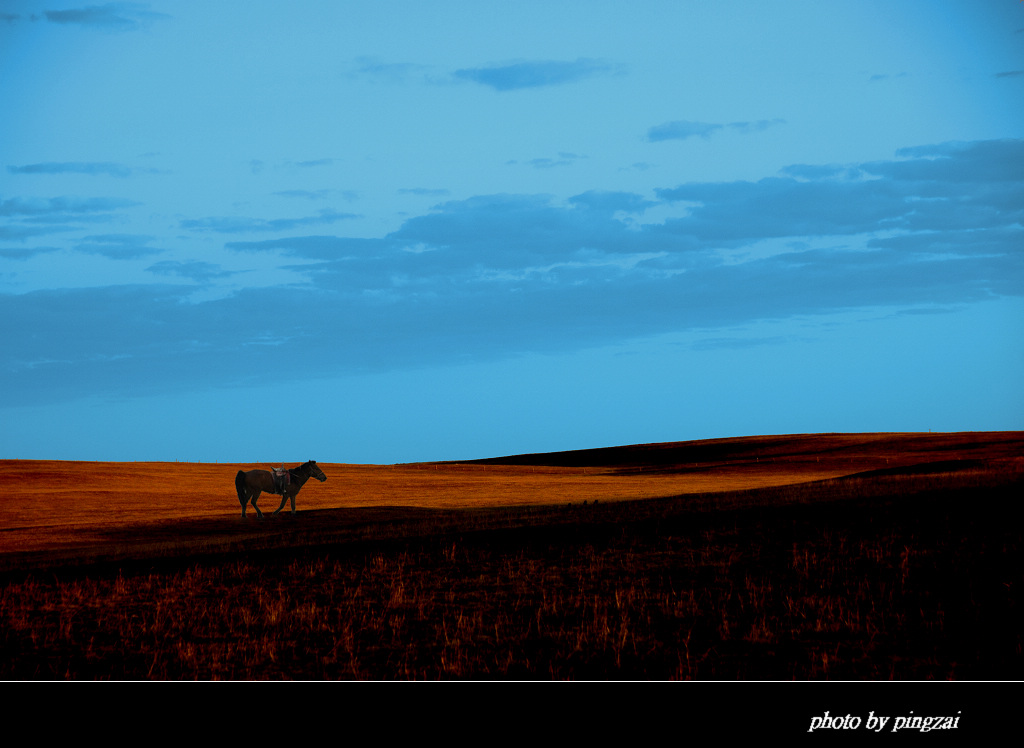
(399, 231)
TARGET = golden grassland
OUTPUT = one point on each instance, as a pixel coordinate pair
(858, 556)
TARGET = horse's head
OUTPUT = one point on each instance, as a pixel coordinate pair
(315, 471)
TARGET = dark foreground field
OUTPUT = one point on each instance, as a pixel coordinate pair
(906, 564)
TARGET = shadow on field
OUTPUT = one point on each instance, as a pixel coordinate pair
(188, 540)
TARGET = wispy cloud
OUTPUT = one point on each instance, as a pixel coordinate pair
(507, 76)
(322, 194)
(92, 168)
(536, 73)
(879, 77)
(735, 343)
(314, 247)
(113, 16)
(236, 225)
(315, 162)
(118, 246)
(816, 171)
(424, 191)
(546, 162)
(60, 206)
(683, 129)
(758, 126)
(376, 69)
(196, 270)
(23, 218)
(25, 253)
(20, 233)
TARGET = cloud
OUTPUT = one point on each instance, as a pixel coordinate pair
(504, 231)
(61, 206)
(313, 247)
(886, 76)
(306, 194)
(113, 16)
(238, 225)
(499, 275)
(21, 233)
(424, 192)
(22, 218)
(391, 72)
(535, 74)
(77, 167)
(785, 207)
(980, 162)
(813, 171)
(564, 159)
(24, 253)
(683, 129)
(758, 126)
(509, 76)
(735, 343)
(611, 202)
(937, 187)
(321, 194)
(118, 246)
(315, 162)
(983, 242)
(195, 270)
(930, 191)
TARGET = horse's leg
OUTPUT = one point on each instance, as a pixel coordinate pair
(293, 503)
(284, 498)
(242, 490)
(255, 495)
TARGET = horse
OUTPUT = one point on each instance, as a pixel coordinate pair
(250, 484)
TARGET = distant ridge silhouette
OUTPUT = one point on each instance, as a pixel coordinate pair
(752, 448)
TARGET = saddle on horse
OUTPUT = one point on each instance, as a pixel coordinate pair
(282, 479)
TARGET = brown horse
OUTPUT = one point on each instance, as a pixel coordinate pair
(250, 484)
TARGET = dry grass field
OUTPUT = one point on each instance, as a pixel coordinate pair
(832, 556)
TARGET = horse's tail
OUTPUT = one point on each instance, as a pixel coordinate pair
(240, 487)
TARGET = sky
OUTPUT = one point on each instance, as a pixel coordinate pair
(386, 232)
